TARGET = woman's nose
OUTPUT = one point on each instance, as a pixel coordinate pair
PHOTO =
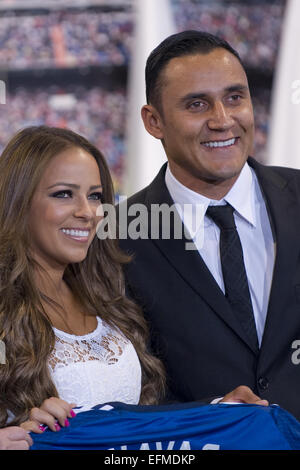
(83, 209)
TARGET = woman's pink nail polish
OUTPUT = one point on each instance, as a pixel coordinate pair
(42, 428)
(57, 427)
(72, 413)
(67, 423)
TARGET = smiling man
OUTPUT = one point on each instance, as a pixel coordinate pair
(225, 314)
(204, 119)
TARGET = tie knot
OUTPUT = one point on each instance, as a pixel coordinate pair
(222, 216)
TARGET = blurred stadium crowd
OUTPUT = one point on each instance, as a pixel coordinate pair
(252, 29)
(70, 38)
(97, 114)
(65, 39)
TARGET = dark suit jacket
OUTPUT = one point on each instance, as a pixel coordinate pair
(194, 331)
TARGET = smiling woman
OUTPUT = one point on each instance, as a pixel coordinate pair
(62, 215)
(71, 335)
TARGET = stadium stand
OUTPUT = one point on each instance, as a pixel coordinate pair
(86, 45)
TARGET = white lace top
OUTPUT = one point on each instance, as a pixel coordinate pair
(96, 368)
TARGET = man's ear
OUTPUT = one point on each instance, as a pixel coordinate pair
(152, 121)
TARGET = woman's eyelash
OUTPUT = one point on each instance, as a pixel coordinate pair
(99, 196)
(61, 193)
(67, 192)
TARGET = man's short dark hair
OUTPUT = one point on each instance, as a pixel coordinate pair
(185, 43)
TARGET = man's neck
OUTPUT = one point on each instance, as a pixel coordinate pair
(212, 189)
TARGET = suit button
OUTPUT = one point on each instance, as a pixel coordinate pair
(263, 383)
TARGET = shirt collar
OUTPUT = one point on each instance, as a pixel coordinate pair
(241, 196)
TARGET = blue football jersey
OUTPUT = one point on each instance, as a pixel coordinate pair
(190, 426)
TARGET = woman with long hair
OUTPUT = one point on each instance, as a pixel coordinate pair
(71, 335)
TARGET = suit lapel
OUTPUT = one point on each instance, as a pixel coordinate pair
(190, 265)
(284, 212)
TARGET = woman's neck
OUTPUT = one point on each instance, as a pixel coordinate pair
(64, 311)
(50, 282)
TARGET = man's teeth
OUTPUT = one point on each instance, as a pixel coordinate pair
(76, 233)
(223, 143)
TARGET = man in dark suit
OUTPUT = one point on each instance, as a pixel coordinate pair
(222, 301)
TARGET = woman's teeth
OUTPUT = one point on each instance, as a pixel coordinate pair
(75, 233)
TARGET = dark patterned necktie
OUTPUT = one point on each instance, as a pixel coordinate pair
(233, 268)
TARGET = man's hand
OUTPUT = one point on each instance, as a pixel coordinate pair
(14, 438)
(243, 394)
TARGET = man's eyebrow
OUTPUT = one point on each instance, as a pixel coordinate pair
(193, 96)
(71, 185)
(237, 87)
(202, 95)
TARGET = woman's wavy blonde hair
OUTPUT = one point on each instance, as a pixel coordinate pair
(97, 282)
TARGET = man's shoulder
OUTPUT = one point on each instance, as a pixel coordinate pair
(284, 171)
(155, 191)
(281, 172)
(138, 197)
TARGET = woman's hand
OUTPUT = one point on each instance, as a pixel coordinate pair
(54, 413)
(14, 438)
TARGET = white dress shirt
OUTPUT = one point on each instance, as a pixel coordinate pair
(254, 229)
